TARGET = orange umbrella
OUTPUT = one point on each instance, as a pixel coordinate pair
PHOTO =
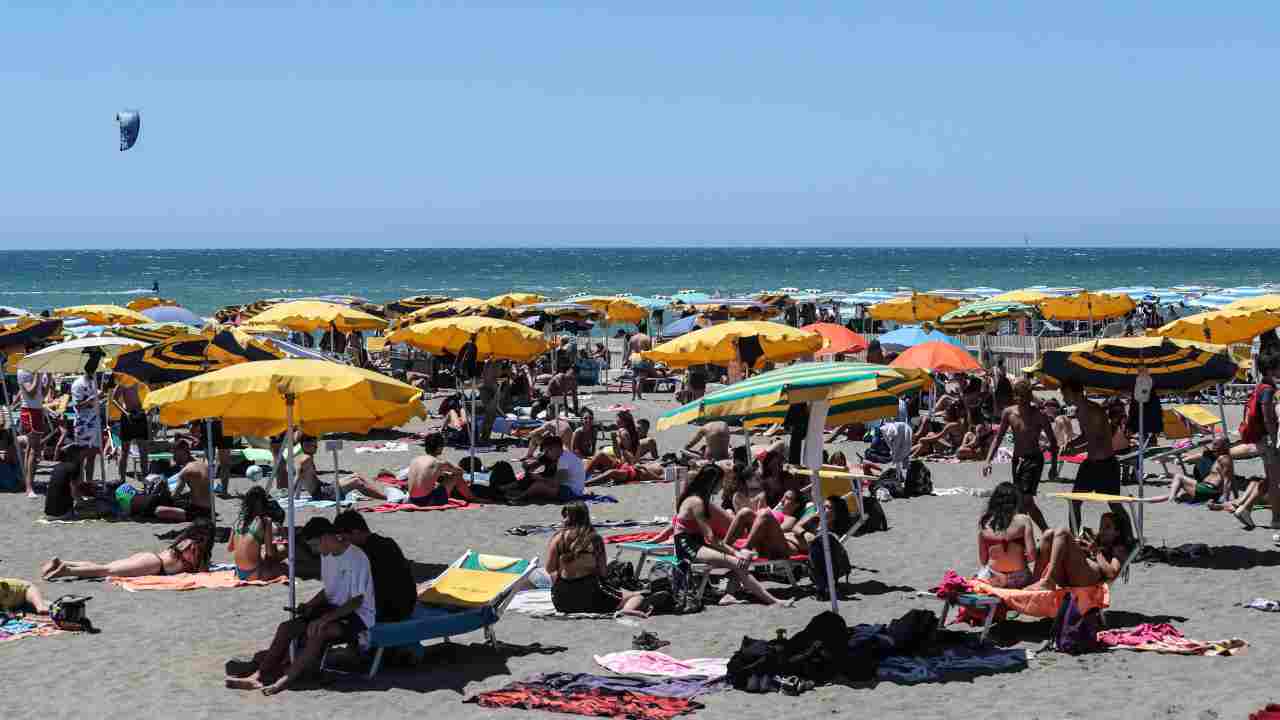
(837, 339)
(938, 357)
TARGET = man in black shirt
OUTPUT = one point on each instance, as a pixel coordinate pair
(59, 499)
(393, 587)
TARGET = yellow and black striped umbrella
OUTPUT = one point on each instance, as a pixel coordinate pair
(187, 356)
(153, 332)
(404, 306)
(29, 330)
(455, 308)
(149, 301)
(1111, 365)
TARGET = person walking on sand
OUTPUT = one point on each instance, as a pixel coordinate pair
(1028, 424)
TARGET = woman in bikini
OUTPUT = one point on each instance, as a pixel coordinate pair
(1067, 561)
(456, 429)
(1006, 544)
(252, 541)
(576, 562)
(584, 438)
(189, 553)
(623, 452)
(950, 437)
(696, 543)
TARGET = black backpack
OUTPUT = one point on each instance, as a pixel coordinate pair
(877, 521)
(919, 479)
(840, 565)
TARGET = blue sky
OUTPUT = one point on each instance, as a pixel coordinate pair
(548, 123)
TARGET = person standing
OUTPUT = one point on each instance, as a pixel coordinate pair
(32, 421)
(1259, 428)
(1100, 472)
(88, 422)
(133, 426)
(1028, 424)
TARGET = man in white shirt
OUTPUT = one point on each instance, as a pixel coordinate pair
(342, 612)
(88, 424)
(557, 475)
(33, 423)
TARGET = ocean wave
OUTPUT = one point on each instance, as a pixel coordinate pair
(135, 291)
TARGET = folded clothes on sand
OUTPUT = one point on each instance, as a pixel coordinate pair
(687, 688)
(190, 581)
(597, 702)
(650, 662)
(1073, 459)
(1263, 604)
(549, 528)
(1164, 638)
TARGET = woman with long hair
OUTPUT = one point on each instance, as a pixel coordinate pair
(252, 542)
(189, 553)
(1006, 544)
(696, 543)
(576, 562)
(1067, 561)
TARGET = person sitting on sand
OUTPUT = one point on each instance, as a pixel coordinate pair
(1006, 542)
(696, 542)
(342, 612)
(1064, 560)
(252, 542)
(560, 427)
(309, 478)
(646, 446)
(556, 476)
(1208, 477)
(584, 438)
(950, 437)
(395, 591)
(189, 553)
(576, 562)
(433, 480)
(977, 442)
(18, 594)
(457, 429)
(624, 448)
(192, 475)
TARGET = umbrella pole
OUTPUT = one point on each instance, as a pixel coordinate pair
(211, 467)
(813, 458)
(337, 484)
(1142, 451)
(1222, 411)
(293, 591)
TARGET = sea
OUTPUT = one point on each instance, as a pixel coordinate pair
(204, 280)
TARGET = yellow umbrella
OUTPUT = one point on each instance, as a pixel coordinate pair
(515, 299)
(495, 339)
(1222, 327)
(103, 314)
(1026, 296)
(915, 308)
(1087, 306)
(718, 345)
(312, 315)
(148, 302)
(1262, 302)
(614, 308)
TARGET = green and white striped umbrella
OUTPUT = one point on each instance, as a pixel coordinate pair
(979, 316)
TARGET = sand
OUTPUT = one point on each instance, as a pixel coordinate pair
(163, 654)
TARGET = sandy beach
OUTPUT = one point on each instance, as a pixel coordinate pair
(163, 654)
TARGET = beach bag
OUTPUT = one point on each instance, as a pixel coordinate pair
(818, 651)
(877, 521)
(840, 565)
(621, 574)
(675, 579)
(919, 479)
(1074, 632)
(754, 658)
(1252, 427)
(67, 613)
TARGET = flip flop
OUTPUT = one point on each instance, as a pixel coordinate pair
(1245, 520)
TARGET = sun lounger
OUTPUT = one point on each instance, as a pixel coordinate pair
(470, 595)
(987, 600)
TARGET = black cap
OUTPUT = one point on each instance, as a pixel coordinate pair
(316, 528)
(350, 520)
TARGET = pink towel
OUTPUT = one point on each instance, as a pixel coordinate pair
(189, 581)
(1165, 638)
(648, 662)
(452, 504)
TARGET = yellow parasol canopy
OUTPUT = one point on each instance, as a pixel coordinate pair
(103, 314)
(495, 339)
(328, 397)
(915, 308)
(149, 301)
(1222, 327)
(515, 299)
(1026, 295)
(1087, 306)
(312, 315)
(718, 345)
(1270, 303)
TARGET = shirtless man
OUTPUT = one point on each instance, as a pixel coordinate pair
(647, 447)
(193, 475)
(1100, 472)
(432, 480)
(715, 437)
(560, 388)
(640, 368)
(133, 425)
(1211, 484)
(558, 427)
(1028, 424)
(488, 401)
(309, 478)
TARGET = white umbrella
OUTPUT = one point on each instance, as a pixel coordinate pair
(70, 357)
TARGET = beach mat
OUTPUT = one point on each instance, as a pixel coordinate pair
(27, 626)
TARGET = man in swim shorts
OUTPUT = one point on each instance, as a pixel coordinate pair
(1100, 472)
(1028, 424)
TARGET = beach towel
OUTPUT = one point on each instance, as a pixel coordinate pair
(953, 662)
(1263, 604)
(974, 492)
(452, 504)
(549, 528)
(687, 688)
(1073, 459)
(1164, 638)
(538, 604)
(383, 447)
(630, 537)
(190, 581)
(1045, 603)
(597, 702)
(649, 662)
(15, 627)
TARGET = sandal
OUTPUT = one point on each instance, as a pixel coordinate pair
(648, 641)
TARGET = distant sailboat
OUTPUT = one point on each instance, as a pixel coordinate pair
(1026, 239)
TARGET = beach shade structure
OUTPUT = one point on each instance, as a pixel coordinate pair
(826, 388)
(1222, 327)
(406, 305)
(752, 342)
(559, 310)
(913, 308)
(147, 302)
(738, 308)
(153, 332)
(936, 357)
(680, 327)
(70, 357)
(1270, 303)
(837, 339)
(515, 299)
(977, 317)
(913, 335)
(103, 314)
(174, 314)
(312, 315)
(466, 307)
(28, 330)
(1087, 306)
(689, 297)
(184, 357)
(267, 398)
(8, 311)
(1027, 296)
(495, 339)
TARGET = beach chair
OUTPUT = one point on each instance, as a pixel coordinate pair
(469, 595)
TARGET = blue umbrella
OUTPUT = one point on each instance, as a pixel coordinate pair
(913, 335)
(680, 327)
(174, 314)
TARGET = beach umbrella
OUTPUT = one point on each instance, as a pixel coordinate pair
(1110, 365)
(1087, 306)
(266, 398)
(149, 301)
(937, 357)
(837, 339)
(175, 314)
(689, 297)
(495, 339)
(1223, 327)
(456, 308)
(7, 311)
(28, 330)
(725, 343)
(70, 357)
(913, 308)
(680, 327)
(978, 316)
(564, 310)
(515, 299)
(1270, 303)
(826, 387)
(651, 303)
(153, 332)
(1028, 296)
(913, 335)
(406, 305)
(103, 314)
(738, 309)
(184, 357)
(311, 315)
